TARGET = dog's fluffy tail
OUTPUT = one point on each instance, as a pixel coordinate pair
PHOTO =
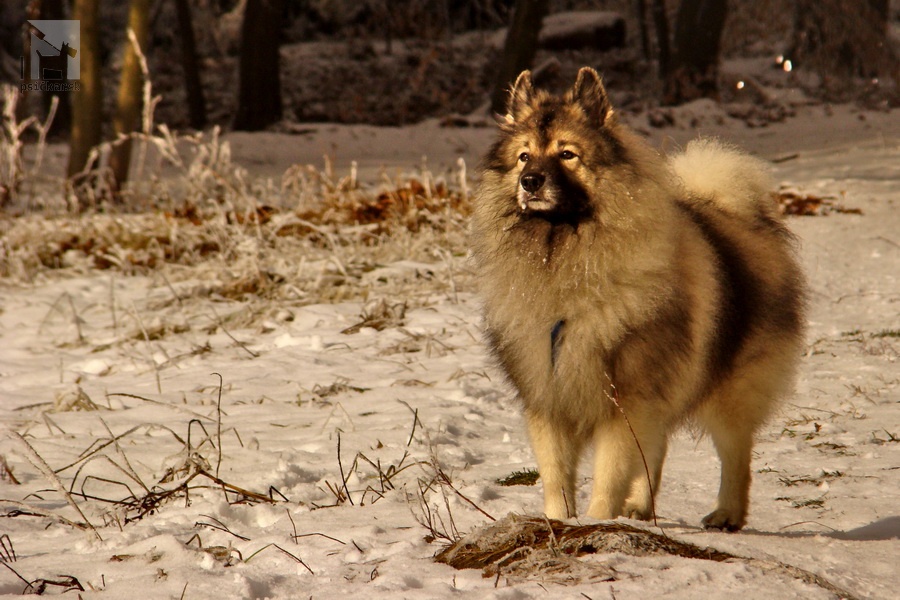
(735, 181)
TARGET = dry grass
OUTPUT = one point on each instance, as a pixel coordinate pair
(191, 213)
(13, 170)
(103, 482)
(519, 547)
(308, 239)
(120, 495)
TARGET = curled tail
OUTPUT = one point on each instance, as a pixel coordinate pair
(733, 180)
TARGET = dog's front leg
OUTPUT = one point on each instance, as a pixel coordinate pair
(556, 448)
(614, 466)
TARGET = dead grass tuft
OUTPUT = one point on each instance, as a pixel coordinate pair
(119, 491)
(516, 542)
(379, 316)
(520, 547)
(524, 477)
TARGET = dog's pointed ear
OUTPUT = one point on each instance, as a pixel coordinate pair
(589, 93)
(520, 95)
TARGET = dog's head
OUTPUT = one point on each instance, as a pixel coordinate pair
(553, 148)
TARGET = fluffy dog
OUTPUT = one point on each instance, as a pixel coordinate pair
(626, 294)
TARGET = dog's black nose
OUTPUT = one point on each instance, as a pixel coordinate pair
(532, 182)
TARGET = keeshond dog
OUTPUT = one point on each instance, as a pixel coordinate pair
(626, 294)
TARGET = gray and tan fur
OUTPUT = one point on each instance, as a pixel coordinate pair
(608, 272)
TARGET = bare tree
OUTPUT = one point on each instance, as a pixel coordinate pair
(87, 102)
(694, 71)
(192, 83)
(641, 14)
(519, 48)
(259, 90)
(661, 24)
(129, 101)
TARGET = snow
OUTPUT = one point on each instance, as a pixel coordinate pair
(302, 402)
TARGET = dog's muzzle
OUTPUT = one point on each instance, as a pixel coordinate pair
(533, 194)
(532, 182)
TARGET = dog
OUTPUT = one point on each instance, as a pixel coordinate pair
(626, 294)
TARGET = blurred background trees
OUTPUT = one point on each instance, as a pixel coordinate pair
(857, 45)
(255, 64)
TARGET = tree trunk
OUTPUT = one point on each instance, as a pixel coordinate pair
(519, 48)
(193, 85)
(87, 102)
(259, 90)
(694, 71)
(129, 102)
(641, 15)
(54, 10)
(661, 24)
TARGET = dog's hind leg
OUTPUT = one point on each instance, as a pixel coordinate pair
(734, 444)
(556, 448)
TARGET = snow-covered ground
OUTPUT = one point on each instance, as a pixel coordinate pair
(397, 413)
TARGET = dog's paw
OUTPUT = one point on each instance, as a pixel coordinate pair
(724, 520)
(640, 513)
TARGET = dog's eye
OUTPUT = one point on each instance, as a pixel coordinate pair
(566, 155)
(524, 157)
